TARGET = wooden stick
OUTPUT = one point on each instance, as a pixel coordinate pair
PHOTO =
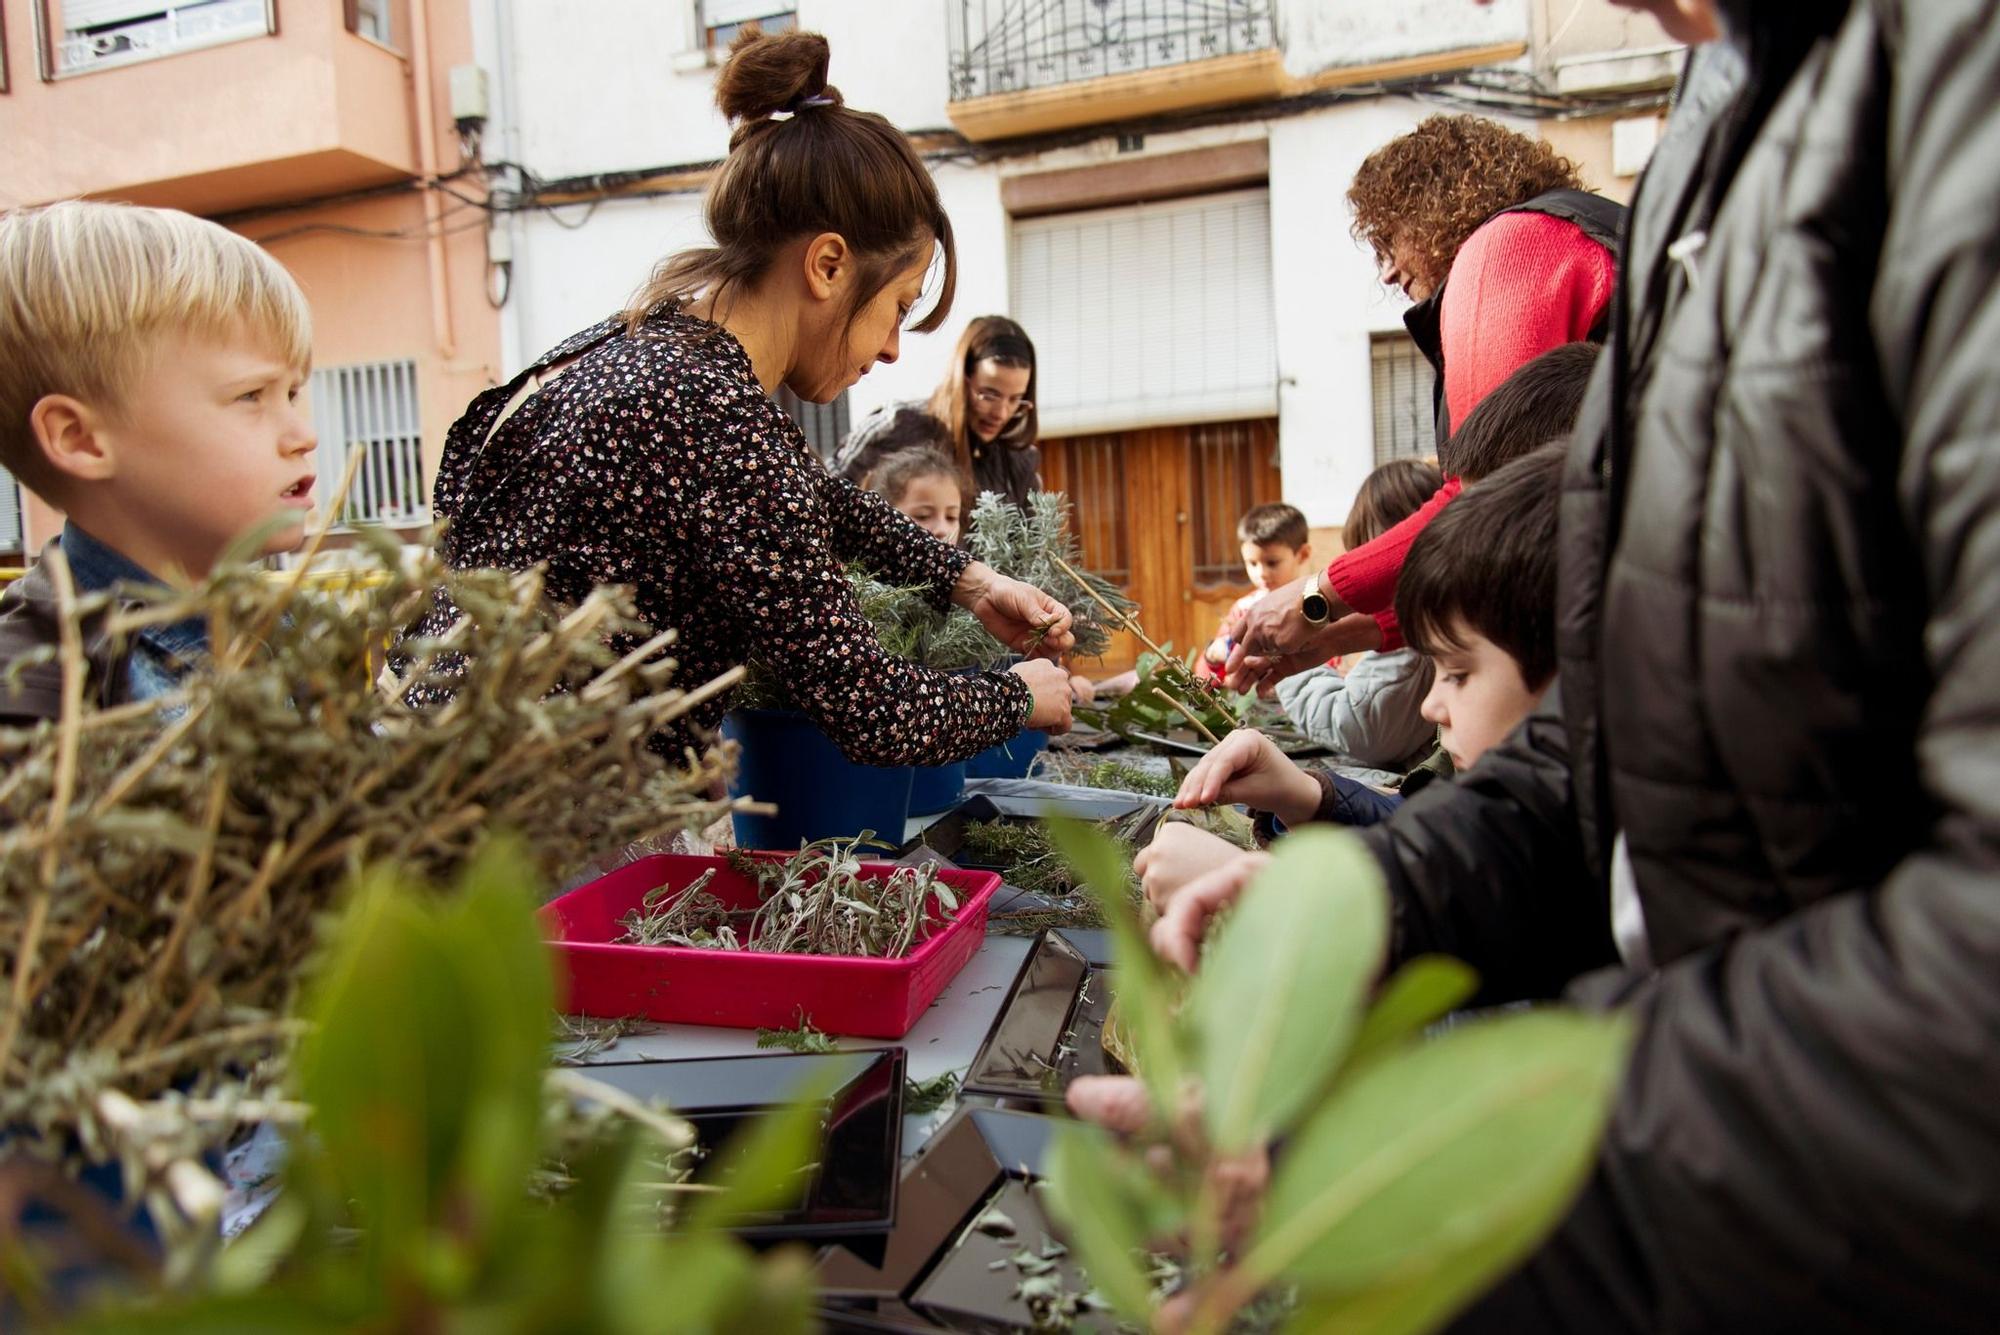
(1190, 715)
(1125, 619)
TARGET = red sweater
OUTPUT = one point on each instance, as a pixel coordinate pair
(1522, 284)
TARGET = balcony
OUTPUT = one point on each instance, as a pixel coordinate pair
(1024, 67)
(103, 34)
(204, 105)
(1028, 66)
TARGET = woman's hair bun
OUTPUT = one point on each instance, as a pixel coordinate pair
(769, 72)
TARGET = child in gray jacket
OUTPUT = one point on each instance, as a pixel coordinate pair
(1367, 714)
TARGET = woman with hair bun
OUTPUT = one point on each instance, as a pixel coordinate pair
(646, 450)
(983, 412)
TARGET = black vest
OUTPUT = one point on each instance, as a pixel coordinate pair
(1602, 220)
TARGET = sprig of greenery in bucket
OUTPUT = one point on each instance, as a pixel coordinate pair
(816, 902)
(1416, 1168)
(1036, 545)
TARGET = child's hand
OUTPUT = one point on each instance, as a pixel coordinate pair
(1179, 855)
(1249, 768)
(1177, 936)
(1082, 690)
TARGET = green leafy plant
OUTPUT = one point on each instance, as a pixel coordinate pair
(412, 1205)
(1036, 545)
(909, 624)
(1169, 696)
(1415, 1169)
(801, 1037)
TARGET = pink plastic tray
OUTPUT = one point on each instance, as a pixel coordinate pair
(740, 989)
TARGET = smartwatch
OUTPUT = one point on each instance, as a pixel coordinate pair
(1313, 603)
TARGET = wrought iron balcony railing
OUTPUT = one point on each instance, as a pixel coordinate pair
(1010, 46)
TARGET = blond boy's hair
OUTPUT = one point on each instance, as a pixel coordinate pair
(86, 289)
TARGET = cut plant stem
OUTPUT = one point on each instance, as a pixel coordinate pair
(1190, 716)
(1124, 619)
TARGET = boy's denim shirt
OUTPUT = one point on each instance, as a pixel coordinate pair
(161, 655)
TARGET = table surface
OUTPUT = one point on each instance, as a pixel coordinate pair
(947, 1038)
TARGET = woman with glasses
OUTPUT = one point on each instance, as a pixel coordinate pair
(983, 414)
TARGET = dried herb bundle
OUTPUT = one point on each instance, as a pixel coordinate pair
(1037, 547)
(163, 865)
(817, 902)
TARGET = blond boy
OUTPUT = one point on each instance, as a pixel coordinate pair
(150, 368)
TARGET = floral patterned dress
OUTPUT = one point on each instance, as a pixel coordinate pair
(657, 462)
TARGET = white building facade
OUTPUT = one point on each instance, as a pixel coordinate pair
(1154, 188)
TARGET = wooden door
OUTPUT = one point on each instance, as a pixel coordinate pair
(1156, 512)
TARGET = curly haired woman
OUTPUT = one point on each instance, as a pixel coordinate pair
(1506, 256)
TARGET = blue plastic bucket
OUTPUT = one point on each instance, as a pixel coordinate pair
(936, 788)
(820, 793)
(1011, 759)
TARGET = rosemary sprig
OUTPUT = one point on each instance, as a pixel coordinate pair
(802, 1037)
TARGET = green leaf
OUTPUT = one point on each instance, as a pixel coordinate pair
(1146, 997)
(1281, 987)
(424, 1067)
(1420, 993)
(764, 1166)
(1102, 1195)
(1432, 1170)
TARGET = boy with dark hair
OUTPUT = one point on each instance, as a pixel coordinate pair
(1277, 548)
(1477, 597)
(1530, 408)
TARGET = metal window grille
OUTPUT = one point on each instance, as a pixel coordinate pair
(825, 424)
(96, 34)
(372, 408)
(1405, 419)
(1223, 467)
(1005, 46)
(722, 20)
(10, 515)
(1094, 477)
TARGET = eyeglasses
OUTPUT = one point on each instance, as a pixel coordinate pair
(993, 398)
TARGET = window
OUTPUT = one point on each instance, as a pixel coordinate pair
(825, 424)
(1231, 467)
(372, 408)
(373, 19)
(1150, 314)
(721, 20)
(1405, 419)
(99, 34)
(10, 518)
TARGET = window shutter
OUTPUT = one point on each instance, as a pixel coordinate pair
(78, 15)
(720, 13)
(1401, 381)
(1150, 314)
(10, 513)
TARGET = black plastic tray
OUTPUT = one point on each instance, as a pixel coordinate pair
(936, 1271)
(1050, 1029)
(852, 1192)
